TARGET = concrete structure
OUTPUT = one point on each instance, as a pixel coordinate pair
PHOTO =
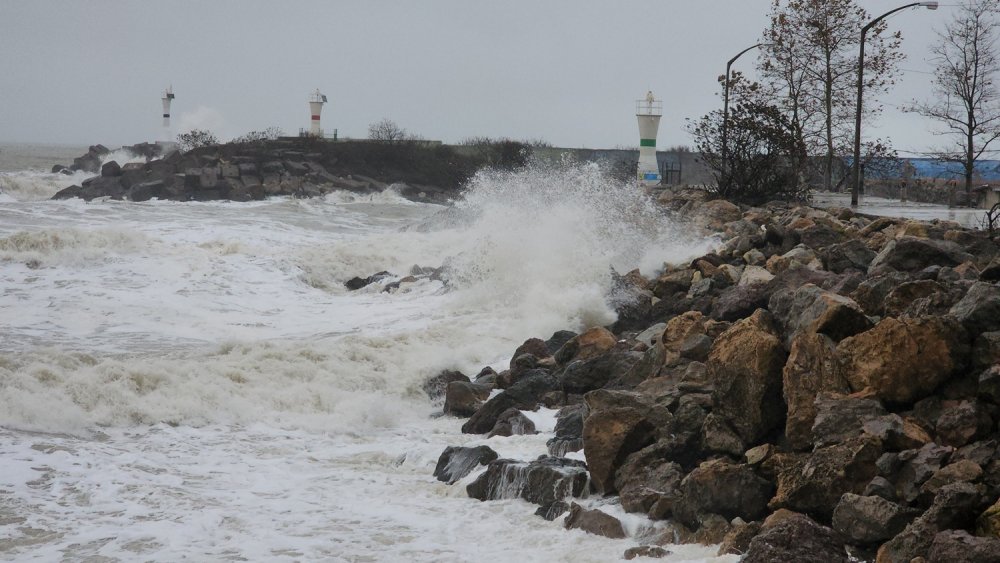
(648, 112)
(316, 102)
(168, 96)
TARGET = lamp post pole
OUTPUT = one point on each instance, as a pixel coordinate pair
(856, 184)
(725, 108)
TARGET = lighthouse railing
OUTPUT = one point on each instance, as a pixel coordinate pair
(646, 107)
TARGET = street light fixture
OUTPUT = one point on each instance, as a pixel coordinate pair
(856, 185)
(725, 105)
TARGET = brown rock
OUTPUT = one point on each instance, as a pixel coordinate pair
(951, 509)
(463, 398)
(816, 485)
(647, 478)
(650, 551)
(590, 344)
(593, 522)
(737, 540)
(811, 309)
(798, 538)
(745, 369)
(812, 367)
(904, 360)
(988, 523)
(609, 436)
(963, 471)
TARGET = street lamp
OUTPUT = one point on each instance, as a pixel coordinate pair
(856, 185)
(725, 106)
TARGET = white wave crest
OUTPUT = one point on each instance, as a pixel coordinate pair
(69, 245)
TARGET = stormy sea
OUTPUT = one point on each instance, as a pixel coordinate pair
(194, 380)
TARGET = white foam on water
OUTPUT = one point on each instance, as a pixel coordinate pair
(207, 388)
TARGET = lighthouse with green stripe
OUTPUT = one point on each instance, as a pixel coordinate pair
(648, 112)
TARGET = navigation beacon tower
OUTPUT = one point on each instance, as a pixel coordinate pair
(316, 101)
(648, 112)
(168, 96)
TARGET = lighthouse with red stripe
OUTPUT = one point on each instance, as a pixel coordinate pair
(316, 101)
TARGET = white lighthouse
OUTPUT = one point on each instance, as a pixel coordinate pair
(168, 96)
(648, 112)
(316, 101)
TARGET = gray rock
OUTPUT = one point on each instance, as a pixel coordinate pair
(543, 481)
(457, 462)
(594, 522)
(868, 520)
(979, 310)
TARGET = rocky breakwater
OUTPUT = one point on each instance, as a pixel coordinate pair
(824, 386)
(253, 171)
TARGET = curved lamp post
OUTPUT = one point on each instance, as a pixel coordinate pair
(725, 105)
(856, 185)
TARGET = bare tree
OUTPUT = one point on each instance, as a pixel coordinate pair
(196, 138)
(966, 105)
(387, 131)
(812, 61)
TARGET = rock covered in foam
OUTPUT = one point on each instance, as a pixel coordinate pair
(543, 481)
(457, 462)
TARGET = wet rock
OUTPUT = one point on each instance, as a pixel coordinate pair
(745, 368)
(958, 546)
(986, 350)
(524, 395)
(798, 538)
(869, 520)
(436, 386)
(512, 422)
(650, 551)
(724, 488)
(590, 344)
(739, 302)
(581, 376)
(552, 511)
(815, 485)
(812, 368)
(356, 283)
(904, 360)
(671, 283)
(463, 398)
(111, 168)
(457, 462)
(979, 310)
(543, 481)
(609, 436)
(988, 523)
(568, 430)
(594, 522)
(647, 478)
(737, 540)
(712, 529)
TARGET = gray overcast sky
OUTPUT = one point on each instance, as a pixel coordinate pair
(564, 71)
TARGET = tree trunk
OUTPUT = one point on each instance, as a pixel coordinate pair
(828, 101)
(970, 160)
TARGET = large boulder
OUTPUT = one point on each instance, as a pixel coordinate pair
(457, 462)
(842, 417)
(959, 546)
(609, 436)
(524, 395)
(594, 522)
(816, 484)
(869, 520)
(904, 360)
(853, 254)
(798, 538)
(811, 309)
(912, 254)
(979, 310)
(812, 368)
(724, 488)
(543, 481)
(745, 367)
(463, 398)
(589, 344)
(581, 376)
(436, 386)
(954, 507)
(647, 479)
